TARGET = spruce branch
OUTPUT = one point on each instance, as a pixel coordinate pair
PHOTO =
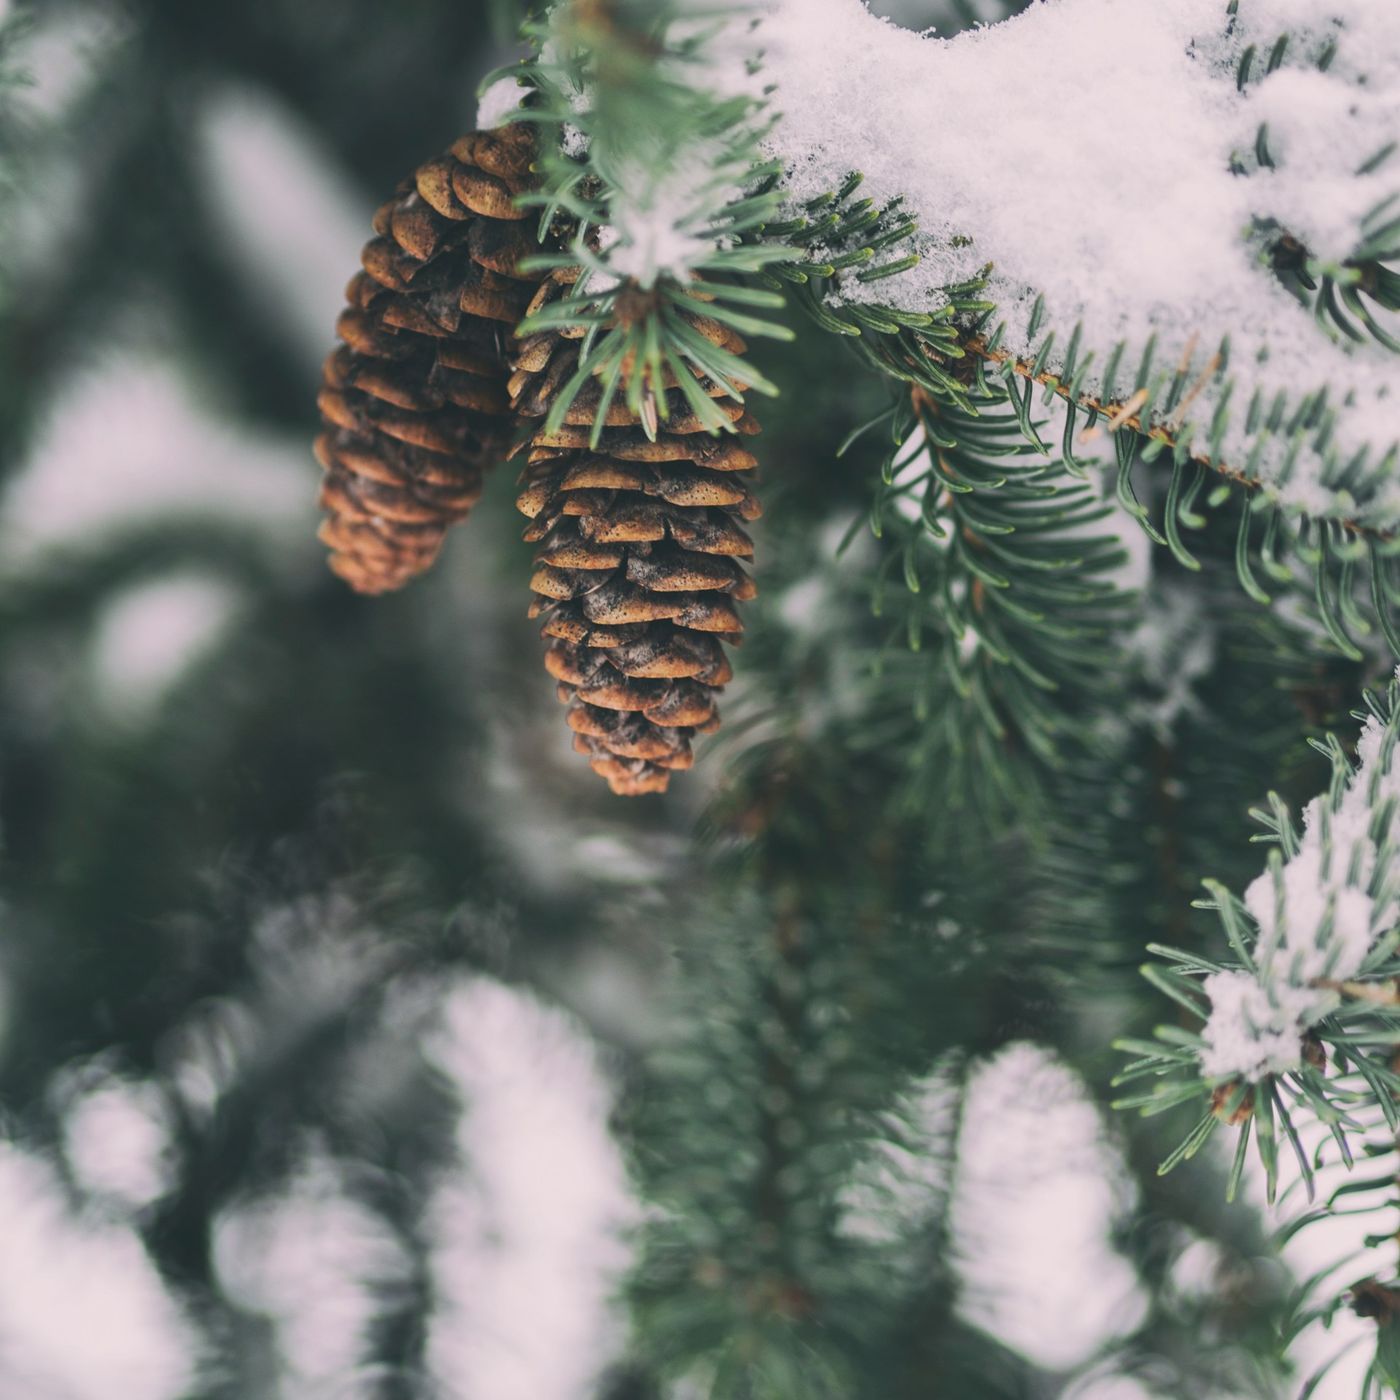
(1202, 406)
(652, 184)
(1298, 1026)
(1322, 509)
(1184, 376)
(1346, 563)
(790, 1093)
(999, 584)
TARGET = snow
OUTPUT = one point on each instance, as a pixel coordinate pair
(151, 635)
(662, 228)
(1083, 148)
(285, 215)
(1255, 1027)
(667, 181)
(319, 1266)
(83, 1313)
(1317, 125)
(899, 1189)
(1039, 1192)
(130, 439)
(1332, 1251)
(498, 101)
(528, 1239)
(61, 57)
(117, 1138)
(1318, 914)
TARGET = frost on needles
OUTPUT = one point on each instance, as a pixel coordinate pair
(1165, 178)
(1304, 1011)
(1326, 903)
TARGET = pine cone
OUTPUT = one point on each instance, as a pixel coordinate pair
(636, 574)
(415, 400)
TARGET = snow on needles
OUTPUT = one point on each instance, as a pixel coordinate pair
(528, 1246)
(1101, 153)
(83, 1313)
(1319, 913)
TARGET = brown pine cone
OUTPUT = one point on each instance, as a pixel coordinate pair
(636, 573)
(415, 401)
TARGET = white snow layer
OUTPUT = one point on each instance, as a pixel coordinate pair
(1318, 913)
(320, 1267)
(1038, 1192)
(1084, 148)
(662, 225)
(117, 1137)
(499, 102)
(83, 1313)
(528, 1247)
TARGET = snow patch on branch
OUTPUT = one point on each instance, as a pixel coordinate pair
(661, 221)
(320, 1267)
(528, 1246)
(500, 101)
(1319, 914)
(1100, 153)
(83, 1313)
(1256, 1027)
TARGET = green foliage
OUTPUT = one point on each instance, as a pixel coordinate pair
(1358, 1037)
(1345, 1077)
(1008, 625)
(807, 1015)
(1000, 583)
(632, 139)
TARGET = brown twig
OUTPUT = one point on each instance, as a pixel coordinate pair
(1124, 413)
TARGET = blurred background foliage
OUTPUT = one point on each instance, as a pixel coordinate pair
(353, 1041)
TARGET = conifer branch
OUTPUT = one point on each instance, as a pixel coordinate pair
(999, 587)
(1300, 1023)
(650, 183)
(833, 254)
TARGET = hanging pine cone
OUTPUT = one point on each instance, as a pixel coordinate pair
(415, 400)
(636, 573)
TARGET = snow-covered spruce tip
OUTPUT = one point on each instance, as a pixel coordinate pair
(1205, 195)
(1326, 903)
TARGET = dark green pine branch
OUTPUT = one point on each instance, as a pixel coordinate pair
(1007, 618)
(802, 1009)
(1341, 1079)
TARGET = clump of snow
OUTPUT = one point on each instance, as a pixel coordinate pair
(320, 1266)
(528, 1238)
(1091, 151)
(1255, 1028)
(163, 451)
(669, 168)
(1037, 1193)
(117, 1137)
(289, 219)
(1321, 131)
(83, 1313)
(660, 221)
(1318, 913)
(499, 102)
(152, 634)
